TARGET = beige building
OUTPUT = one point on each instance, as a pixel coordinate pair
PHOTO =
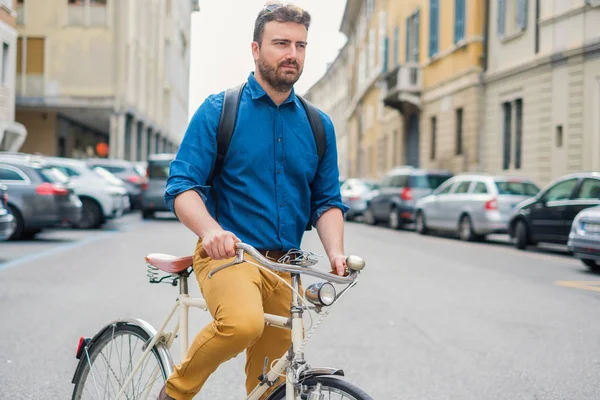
(12, 134)
(103, 71)
(542, 117)
(330, 94)
(364, 23)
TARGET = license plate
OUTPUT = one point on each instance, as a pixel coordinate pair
(592, 228)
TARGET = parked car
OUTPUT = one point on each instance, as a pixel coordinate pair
(356, 194)
(398, 193)
(154, 191)
(39, 197)
(584, 238)
(548, 217)
(130, 174)
(103, 198)
(473, 205)
(6, 218)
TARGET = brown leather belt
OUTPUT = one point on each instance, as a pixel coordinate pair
(273, 254)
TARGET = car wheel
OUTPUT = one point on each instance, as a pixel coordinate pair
(394, 221)
(147, 214)
(592, 265)
(91, 217)
(466, 231)
(421, 226)
(369, 217)
(18, 224)
(521, 235)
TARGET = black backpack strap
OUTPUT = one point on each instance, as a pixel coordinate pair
(316, 124)
(231, 102)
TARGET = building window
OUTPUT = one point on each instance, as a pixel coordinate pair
(433, 137)
(5, 54)
(501, 16)
(518, 132)
(434, 26)
(459, 20)
(506, 107)
(370, 8)
(459, 131)
(412, 38)
(396, 46)
(512, 18)
(559, 136)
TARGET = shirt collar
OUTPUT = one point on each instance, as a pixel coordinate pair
(258, 92)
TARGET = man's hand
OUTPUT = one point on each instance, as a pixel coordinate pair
(219, 244)
(338, 264)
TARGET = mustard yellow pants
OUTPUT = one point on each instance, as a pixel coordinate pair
(237, 298)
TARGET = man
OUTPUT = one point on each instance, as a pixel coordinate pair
(271, 187)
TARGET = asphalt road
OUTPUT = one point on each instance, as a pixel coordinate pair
(431, 318)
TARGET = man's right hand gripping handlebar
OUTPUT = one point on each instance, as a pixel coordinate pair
(219, 244)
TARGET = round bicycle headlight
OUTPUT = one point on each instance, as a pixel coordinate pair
(321, 294)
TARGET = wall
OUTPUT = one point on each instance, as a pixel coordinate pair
(41, 131)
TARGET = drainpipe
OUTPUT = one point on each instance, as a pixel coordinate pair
(484, 65)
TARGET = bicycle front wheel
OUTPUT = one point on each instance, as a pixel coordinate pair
(109, 362)
(332, 388)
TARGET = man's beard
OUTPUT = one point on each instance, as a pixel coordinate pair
(279, 79)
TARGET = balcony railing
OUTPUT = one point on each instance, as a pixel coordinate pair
(31, 85)
(403, 83)
(20, 14)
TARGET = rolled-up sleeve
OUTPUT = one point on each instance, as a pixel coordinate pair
(197, 153)
(325, 189)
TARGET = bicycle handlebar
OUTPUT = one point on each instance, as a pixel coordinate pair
(353, 263)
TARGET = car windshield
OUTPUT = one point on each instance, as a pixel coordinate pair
(53, 175)
(108, 176)
(159, 169)
(516, 188)
(428, 181)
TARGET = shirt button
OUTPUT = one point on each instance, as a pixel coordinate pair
(279, 139)
(280, 204)
(279, 171)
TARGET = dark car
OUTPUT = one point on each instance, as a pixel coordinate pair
(398, 193)
(39, 197)
(6, 218)
(548, 217)
(157, 173)
(584, 239)
(128, 172)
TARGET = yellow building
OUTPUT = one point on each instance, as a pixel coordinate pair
(452, 53)
(402, 84)
(364, 23)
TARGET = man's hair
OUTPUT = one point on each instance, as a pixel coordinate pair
(276, 11)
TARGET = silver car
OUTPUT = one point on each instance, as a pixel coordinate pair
(473, 205)
(356, 194)
(154, 189)
(584, 239)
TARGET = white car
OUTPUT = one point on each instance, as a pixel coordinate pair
(103, 198)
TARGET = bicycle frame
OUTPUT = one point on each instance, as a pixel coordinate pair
(184, 302)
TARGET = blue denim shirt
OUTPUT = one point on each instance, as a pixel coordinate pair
(272, 184)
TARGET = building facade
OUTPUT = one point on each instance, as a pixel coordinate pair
(542, 88)
(12, 134)
(452, 95)
(330, 94)
(364, 24)
(93, 72)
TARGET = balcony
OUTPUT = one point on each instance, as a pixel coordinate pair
(403, 87)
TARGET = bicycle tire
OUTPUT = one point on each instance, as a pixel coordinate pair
(329, 384)
(89, 359)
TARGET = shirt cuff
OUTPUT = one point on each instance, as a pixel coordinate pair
(319, 211)
(175, 190)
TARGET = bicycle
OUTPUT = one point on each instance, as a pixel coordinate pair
(301, 380)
